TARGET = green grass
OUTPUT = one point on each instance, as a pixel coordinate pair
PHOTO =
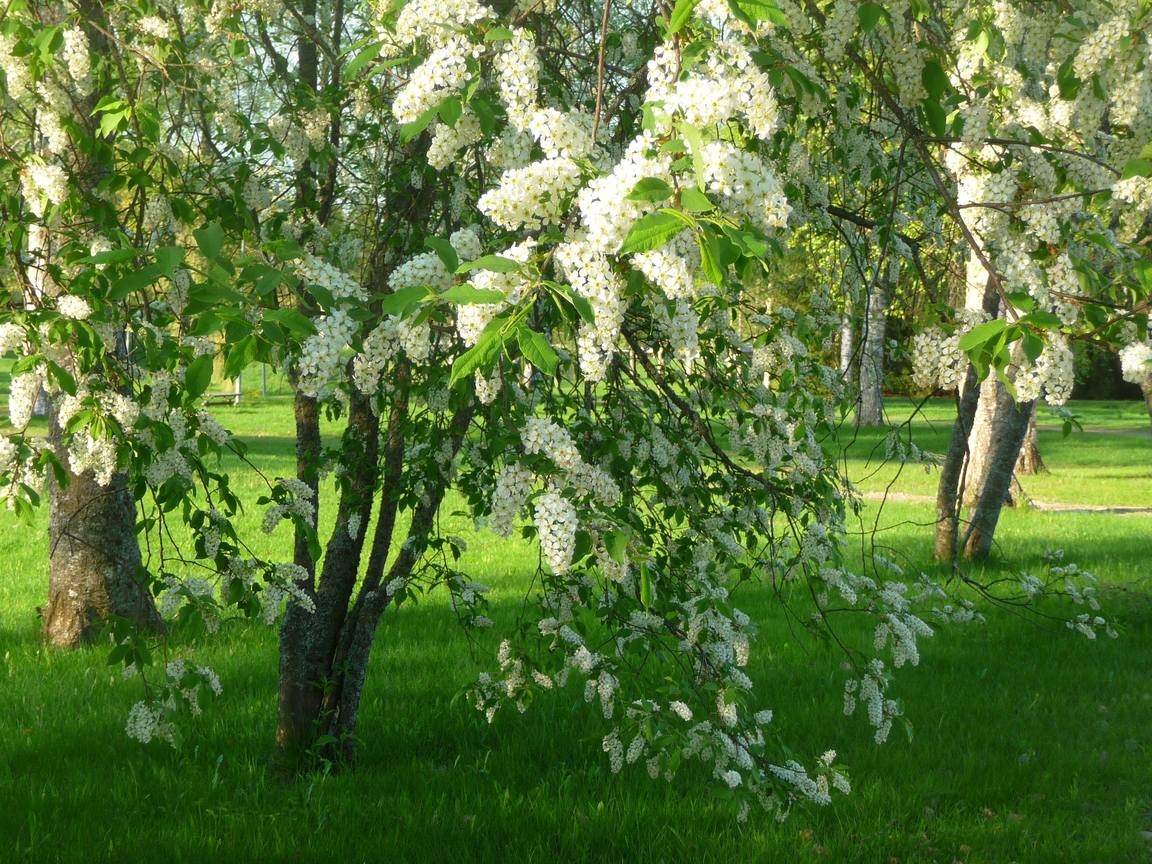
(1029, 743)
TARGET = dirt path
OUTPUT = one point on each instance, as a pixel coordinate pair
(1048, 506)
(1144, 432)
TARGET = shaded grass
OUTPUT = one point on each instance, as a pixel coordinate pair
(1028, 743)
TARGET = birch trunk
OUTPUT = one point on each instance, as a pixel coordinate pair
(870, 404)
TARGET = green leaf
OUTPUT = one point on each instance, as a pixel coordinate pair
(708, 262)
(1066, 80)
(199, 376)
(870, 15)
(1137, 168)
(291, 320)
(495, 263)
(366, 56)
(240, 355)
(645, 586)
(537, 350)
(498, 34)
(695, 201)
(937, 118)
(681, 15)
(135, 281)
(450, 110)
(982, 333)
(62, 377)
(651, 232)
(694, 140)
(399, 303)
(753, 11)
(445, 251)
(480, 355)
(1033, 345)
(935, 80)
(616, 544)
(650, 189)
(467, 294)
(408, 131)
(1042, 318)
(210, 239)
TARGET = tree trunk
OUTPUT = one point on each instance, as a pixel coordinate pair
(987, 435)
(94, 565)
(1030, 461)
(870, 405)
(1147, 388)
(954, 470)
(847, 340)
(1012, 426)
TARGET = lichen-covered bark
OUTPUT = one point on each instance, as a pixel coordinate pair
(94, 558)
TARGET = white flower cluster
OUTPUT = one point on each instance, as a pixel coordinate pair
(937, 361)
(1052, 376)
(23, 390)
(443, 73)
(42, 184)
(435, 21)
(338, 283)
(533, 196)
(298, 501)
(1136, 363)
(869, 689)
(71, 306)
(518, 73)
(321, 354)
(513, 485)
(747, 184)
(448, 141)
(76, 58)
(592, 276)
(556, 522)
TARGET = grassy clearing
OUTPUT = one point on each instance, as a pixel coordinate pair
(1029, 743)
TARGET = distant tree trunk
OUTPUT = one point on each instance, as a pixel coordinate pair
(870, 406)
(847, 340)
(1030, 460)
(94, 564)
(1011, 428)
(1147, 388)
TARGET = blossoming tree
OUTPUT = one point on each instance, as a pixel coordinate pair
(515, 248)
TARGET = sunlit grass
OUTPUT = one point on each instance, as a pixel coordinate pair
(1028, 742)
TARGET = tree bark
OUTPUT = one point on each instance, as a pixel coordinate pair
(987, 435)
(95, 568)
(954, 470)
(847, 340)
(1147, 388)
(870, 403)
(94, 559)
(1012, 426)
(1030, 460)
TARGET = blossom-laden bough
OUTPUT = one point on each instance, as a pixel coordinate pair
(522, 250)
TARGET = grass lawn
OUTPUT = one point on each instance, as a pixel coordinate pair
(1028, 744)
